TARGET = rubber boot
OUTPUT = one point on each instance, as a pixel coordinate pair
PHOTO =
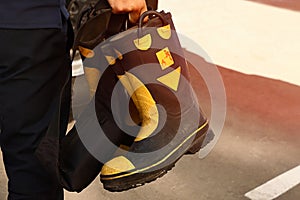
(156, 77)
(79, 164)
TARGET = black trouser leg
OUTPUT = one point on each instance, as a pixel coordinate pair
(34, 66)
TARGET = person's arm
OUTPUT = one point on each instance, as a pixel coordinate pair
(134, 7)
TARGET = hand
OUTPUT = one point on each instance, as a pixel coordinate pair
(133, 7)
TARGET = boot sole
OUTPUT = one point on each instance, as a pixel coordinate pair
(139, 177)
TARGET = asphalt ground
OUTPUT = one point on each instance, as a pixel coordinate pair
(260, 141)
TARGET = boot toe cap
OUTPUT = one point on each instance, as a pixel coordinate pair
(117, 165)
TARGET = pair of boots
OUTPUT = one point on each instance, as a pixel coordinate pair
(146, 115)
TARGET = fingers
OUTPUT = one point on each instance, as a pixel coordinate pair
(134, 8)
(134, 15)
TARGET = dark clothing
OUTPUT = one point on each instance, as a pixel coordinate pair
(30, 14)
(34, 69)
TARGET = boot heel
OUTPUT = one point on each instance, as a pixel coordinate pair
(196, 144)
(201, 140)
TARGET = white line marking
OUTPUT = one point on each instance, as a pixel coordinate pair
(277, 186)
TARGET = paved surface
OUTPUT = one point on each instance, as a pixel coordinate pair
(246, 36)
(260, 141)
(288, 4)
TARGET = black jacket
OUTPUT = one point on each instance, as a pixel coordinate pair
(28, 14)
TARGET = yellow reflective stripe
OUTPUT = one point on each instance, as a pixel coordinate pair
(159, 162)
(144, 103)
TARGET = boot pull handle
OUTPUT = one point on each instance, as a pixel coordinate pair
(150, 13)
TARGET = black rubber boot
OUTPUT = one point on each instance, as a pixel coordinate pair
(156, 77)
